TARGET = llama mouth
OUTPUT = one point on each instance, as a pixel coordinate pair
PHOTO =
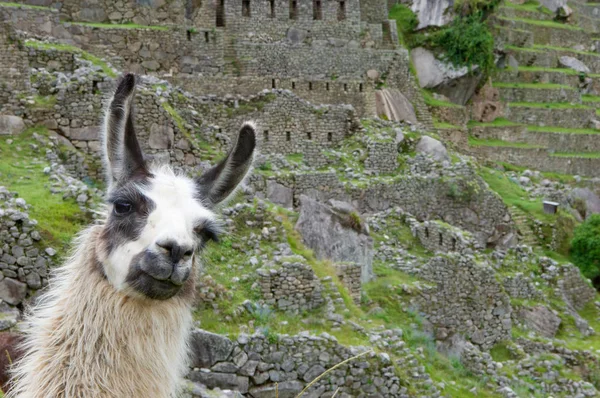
(154, 288)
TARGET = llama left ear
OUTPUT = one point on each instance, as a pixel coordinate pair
(219, 182)
(122, 153)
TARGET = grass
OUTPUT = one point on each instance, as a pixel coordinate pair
(533, 86)
(573, 339)
(530, 6)
(431, 101)
(119, 26)
(69, 48)
(547, 24)
(45, 102)
(443, 125)
(548, 105)
(498, 122)
(543, 47)
(565, 71)
(21, 171)
(27, 6)
(499, 143)
(565, 130)
(513, 195)
(590, 98)
(581, 155)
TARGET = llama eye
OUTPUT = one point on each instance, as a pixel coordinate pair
(122, 208)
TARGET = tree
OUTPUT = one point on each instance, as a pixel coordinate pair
(585, 247)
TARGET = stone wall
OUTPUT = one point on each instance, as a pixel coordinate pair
(440, 237)
(14, 68)
(350, 276)
(519, 94)
(548, 35)
(39, 21)
(467, 299)
(51, 59)
(260, 367)
(575, 289)
(539, 159)
(382, 157)
(294, 287)
(521, 286)
(23, 261)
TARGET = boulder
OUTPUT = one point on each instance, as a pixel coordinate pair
(433, 12)
(287, 389)
(395, 106)
(458, 84)
(573, 63)
(12, 291)
(587, 196)
(296, 36)
(487, 105)
(161, 137)
(564, 12)
(208, 348)
(11, 125)
(335, 236)
(280, 194)
(553, 5)
(541, 320)
(432, 147)
(373, 74)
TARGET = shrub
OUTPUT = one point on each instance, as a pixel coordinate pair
(406, 21)
(467, 41)
(585, 247)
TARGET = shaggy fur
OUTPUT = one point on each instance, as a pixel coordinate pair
(89, 340)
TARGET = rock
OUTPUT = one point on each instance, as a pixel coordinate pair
(564, 12)
(161, 137)
(12, 291)
(225, 381)
(573, 63)
(512, 62)
(151, 65)
(540, 319)
(456, 84)
(373, 74)
(433, 12)
(198, 390)
(587, 196)
(487, 105)
(313, 372)
(208, 348)
(432, 147)
(287, 389)
(525, 181)
(90, 133)
(553, 5)
(280, 194)
(11, 125)
(296, 36)
(394, 105)
(331, 236)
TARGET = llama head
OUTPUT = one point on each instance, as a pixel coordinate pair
(158, 220)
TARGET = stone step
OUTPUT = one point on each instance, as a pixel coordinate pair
(583, 164)
(513, 37)
(509, 10)
(522, 221)
(537, 92)
(547, 32)
(547, 57)
(555, 139)
(532, 74)
(553, 114)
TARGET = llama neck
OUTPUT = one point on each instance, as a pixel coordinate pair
(87, 339)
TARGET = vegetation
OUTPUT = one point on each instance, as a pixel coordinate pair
(21, 170)
(548, 24)
(119, 26)
(499, 143)
(548, 105)
(432, 101)
(19, 5)
(534, 86)
(581, 155)
(529, 6)
(498, 122)
(585, 247)
(565, 130)
(406, 21)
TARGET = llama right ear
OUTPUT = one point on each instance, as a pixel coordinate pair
(219, 182)
(122, 152)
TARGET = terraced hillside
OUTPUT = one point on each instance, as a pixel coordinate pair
(549, 89)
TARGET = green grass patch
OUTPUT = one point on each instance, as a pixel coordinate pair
(500, 352)
(513, 195)
(565, 71)
(21, 171)
(547, 24)
(406, 21)
(431, 101)
(543, 47)
(565, 130)
(295, 157)
(581, 155)
(119, 26)
(499, 143)
(590, 98)
(547, 105)
(530, 6)
(498, 122)
(72, 49)
(533, 86)
(27, 6)
(443, 125)
(45, 102)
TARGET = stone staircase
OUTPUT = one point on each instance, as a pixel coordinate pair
(550, 110)
(523, 223)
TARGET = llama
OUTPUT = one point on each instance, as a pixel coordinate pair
(116, 319)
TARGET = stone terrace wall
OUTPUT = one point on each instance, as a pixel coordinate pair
(468, 300)
(356, 92)
(253, 364)
(440, 237)
(23, 263)
(350, 276)
(51, 59)
(149, 50)
(42, 22)
(382, 157)
(576, 290)
(14, 69)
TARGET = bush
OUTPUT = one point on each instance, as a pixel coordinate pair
(406, 21)
(467, 41)
(585, 247)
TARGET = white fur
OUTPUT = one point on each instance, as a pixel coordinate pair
(174, 217)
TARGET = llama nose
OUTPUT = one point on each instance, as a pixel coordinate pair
(174, 250)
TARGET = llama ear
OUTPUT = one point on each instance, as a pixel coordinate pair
(122, 153)
(219, 182)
